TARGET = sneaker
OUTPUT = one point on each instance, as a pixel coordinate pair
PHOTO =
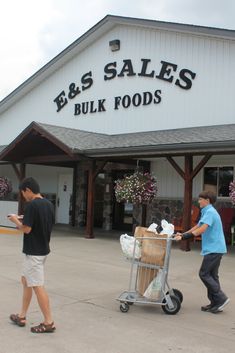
(215, 310)
(206, 307)
(224, 303)
(219, 307)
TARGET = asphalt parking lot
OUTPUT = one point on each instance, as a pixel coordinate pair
(85, 276)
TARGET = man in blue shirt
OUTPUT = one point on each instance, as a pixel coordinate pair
(213, 247)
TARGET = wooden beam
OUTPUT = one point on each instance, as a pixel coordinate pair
(200, 165)
(16, 170)
(176, 166)
(52, 158)
(20, 172)
(98, 169)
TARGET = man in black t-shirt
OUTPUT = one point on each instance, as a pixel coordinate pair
(36, 225)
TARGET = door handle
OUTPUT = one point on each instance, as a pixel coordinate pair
(58, 202)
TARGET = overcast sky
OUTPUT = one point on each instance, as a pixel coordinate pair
(32, 32)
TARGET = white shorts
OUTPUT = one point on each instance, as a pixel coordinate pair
(33, 270)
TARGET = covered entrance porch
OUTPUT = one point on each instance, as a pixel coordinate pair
(89, 155)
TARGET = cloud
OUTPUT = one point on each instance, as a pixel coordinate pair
(33, 32)
(212, 13)
(21, 25)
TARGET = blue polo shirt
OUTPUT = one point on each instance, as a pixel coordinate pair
(213, 240)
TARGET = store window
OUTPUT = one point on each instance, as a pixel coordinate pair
(217, 179)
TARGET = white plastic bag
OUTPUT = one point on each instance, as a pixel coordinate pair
(153, 227)
(167, 228)
(153, 291)
(128, 243)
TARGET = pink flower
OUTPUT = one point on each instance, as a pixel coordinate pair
(5, 186)
(232, 191)
(136, 188)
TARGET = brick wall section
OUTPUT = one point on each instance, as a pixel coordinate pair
(171, 210)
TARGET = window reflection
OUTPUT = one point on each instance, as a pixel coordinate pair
(217, 179)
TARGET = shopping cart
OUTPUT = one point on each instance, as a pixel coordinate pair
(148, 282)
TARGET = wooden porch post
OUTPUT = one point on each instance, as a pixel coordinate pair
(92, 174)
(20, 173)
(188, 188)
(188, 174)
(90, 201)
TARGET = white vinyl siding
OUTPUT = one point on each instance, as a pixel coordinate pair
(210, 101)
(171, 184)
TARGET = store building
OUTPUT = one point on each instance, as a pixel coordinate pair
(129, 92)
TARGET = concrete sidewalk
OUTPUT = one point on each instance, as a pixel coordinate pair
(83, 278)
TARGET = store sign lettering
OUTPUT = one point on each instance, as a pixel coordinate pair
(169, 72)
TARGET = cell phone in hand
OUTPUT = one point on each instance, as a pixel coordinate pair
(13, 214)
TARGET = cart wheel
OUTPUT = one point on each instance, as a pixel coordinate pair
(124, 307)
(176, 306)
(178, 294)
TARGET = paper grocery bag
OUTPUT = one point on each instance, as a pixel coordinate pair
(145, 277)
(153, 250)
(140, 231)
(152, 253)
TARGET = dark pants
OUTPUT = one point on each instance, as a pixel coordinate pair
(209, 275)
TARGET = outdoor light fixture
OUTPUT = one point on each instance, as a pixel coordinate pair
(114, 44)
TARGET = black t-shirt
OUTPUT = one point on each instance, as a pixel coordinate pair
(39, 215)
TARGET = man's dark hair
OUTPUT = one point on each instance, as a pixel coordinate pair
(210, 195)
(31, 184)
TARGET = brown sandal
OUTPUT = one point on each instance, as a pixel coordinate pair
(19, 321)
(43, 328)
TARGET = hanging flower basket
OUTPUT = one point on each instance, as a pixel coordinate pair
(5, 187)
(232, 191)
(137, 188)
